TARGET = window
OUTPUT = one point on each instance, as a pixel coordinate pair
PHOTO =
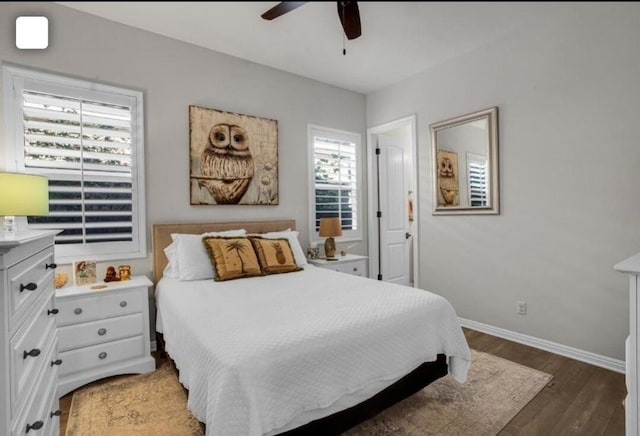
(335, 187)
(87, 138)
(477, 176)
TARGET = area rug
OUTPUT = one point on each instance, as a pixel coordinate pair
(155, 404)
(152, 404)
(495, 391)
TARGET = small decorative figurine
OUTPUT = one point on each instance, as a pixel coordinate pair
(60, 279)
(125, 272)
(111, 275)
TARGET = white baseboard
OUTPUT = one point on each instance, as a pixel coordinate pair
(154, 346)
(552, 347)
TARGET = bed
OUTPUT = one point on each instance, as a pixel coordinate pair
(307, 352)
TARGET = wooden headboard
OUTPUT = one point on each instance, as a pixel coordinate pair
(162, 235)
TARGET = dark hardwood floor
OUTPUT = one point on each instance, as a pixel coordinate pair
(581, 400)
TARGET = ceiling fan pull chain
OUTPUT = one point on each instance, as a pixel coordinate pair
(344, 36)
(344, 50)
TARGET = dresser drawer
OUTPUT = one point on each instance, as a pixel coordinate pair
(90, 308)
(31, 350)
(96, 356)
(98, 332)
(52, 414)
(37, 414)
(356, 268)
(28, 280)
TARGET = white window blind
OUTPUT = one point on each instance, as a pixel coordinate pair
(477, 176)
(335, 179)
(88, 142)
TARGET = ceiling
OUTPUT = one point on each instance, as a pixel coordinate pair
(399, 39)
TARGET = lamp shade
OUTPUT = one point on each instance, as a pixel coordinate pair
(330, 227)
(23, 195)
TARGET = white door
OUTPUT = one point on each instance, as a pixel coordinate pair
(394, 255)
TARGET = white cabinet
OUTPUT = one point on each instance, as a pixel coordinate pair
(631, 266)
(29, 361)
(103, 332)
(350, 264)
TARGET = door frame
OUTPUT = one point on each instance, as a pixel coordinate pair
(372, 193)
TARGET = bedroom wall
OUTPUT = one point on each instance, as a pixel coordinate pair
(568, 97)
(172, 76)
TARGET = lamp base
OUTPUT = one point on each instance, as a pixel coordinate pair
(330, 248)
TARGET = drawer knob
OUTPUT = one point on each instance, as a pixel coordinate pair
(29, 287)
(51, 265)
(102, 332)
(56, 362)
(52, 312)
(35, 426)
(77, 310)
(33, 353)
(102, 355)
(123, 304)
(355, 269)
(56, 413)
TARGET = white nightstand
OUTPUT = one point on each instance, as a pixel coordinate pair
(103, 332)
(353, 264)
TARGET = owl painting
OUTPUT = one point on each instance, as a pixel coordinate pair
(448, 187)
(234, 158)
(227, 163)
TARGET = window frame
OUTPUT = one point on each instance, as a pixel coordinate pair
(340, 135)
(15, 79)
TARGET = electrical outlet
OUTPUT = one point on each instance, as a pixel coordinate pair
(521, 307)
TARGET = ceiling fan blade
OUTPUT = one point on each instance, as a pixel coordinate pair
(350, 19)
(281, 9)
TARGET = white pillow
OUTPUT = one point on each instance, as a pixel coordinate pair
(292, 236)
(192, 258)
(171, 270)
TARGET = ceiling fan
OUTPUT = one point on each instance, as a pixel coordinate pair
(347, 11)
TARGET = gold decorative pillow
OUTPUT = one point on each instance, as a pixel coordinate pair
(275, 255)
(232, 258)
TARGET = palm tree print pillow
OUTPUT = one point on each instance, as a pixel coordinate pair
(232, 258)
(275, 255)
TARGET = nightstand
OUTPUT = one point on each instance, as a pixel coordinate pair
(353, 264)
(103, 332)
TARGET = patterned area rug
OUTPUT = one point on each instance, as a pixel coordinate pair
(155, 404)
(152, 404)
(495, 391)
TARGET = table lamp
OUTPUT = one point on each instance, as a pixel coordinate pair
(330, 227)
(22, 195)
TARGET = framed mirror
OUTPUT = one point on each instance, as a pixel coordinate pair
(464, 155)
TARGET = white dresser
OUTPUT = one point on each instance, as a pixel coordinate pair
(631, 266)
(353, 264)
(29, 362)
(103, 332)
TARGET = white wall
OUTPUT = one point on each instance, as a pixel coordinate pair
(172, 76)
(568, 92)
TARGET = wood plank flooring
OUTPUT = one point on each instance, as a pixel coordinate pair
(581, 400)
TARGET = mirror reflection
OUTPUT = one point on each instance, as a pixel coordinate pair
(465, 155)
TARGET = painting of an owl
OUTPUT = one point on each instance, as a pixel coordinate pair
(234, 158)
(447, 170)
(227, 162)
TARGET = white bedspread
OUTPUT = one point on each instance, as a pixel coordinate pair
(265, 354)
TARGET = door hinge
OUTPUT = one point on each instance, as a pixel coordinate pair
(379, 214)
(379, 276)
(377, 150)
